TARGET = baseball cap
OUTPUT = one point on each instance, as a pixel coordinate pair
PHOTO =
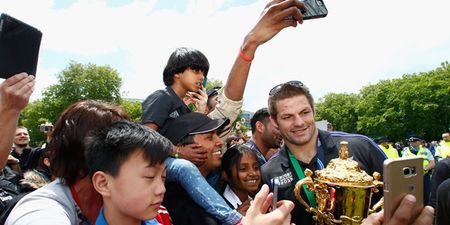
(191, 124)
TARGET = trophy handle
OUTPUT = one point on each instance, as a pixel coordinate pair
(298, 188)
(378, 184)
(377, 206)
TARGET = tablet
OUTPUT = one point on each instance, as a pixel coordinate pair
(19, 47)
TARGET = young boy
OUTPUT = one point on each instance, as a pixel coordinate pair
(127, 167)
(184, 73)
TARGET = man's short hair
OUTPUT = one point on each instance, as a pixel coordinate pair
(110, 147)
(184, 58)
(287, 90)
(261, 115)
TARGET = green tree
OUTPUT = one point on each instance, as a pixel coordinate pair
(339, 110)
(417, 103)
(76, 82)
(133, 108)
(210, 83)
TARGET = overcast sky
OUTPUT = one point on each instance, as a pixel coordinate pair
(357, 44)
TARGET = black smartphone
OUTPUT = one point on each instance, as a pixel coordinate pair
(314, 9)
(275, 184)
(19, 47)
(402, 176)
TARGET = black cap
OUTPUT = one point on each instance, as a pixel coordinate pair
(383, 139)
(192, 123)
(415, 138)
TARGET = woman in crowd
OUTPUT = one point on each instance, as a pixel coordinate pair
(241, 173)
(70, 198)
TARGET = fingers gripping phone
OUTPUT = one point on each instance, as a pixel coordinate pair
(402, 176)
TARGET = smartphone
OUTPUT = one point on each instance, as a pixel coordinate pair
(275, 184)
(19, 47)
(402, 176)
(314, 9)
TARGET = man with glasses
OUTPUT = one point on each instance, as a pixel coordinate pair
(291, 109)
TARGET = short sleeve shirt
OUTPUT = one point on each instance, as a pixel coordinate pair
(161, 107)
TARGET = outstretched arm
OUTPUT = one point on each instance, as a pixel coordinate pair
(15, 93)
(271, 22)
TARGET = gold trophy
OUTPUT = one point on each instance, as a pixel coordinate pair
(342, 190)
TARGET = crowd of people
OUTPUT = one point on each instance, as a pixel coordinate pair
(181, 164)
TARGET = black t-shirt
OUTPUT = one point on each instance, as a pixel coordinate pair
(162, 106)
(443, 203)
(29, 159)
(182, 209)
(441, 172)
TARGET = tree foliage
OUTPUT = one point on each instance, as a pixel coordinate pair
(133, 108)
(76, 82)
(210, 83)
(413, 104)
(339, 110)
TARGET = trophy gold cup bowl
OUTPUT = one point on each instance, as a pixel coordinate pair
(342, 190)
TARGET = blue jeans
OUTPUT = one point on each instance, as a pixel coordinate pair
(187, 174)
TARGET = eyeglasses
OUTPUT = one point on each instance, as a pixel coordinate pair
(277, 88)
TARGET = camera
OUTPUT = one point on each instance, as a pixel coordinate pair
(45, 128)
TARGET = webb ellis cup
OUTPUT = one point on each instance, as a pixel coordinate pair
(342, 190)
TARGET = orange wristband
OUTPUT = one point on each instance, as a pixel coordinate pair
(245, 57)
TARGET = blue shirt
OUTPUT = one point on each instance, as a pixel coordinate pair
(102, 221)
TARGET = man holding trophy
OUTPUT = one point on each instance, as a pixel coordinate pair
(291, 109)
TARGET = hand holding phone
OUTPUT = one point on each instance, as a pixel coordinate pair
(314, 9)
(402, 176)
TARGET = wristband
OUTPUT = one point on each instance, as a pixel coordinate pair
(245, 57)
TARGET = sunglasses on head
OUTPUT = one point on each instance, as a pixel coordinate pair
(277, 88)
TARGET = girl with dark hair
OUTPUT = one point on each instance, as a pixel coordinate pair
(241, 173)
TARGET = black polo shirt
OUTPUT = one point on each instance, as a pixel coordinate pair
(363, 150)
(162, 106)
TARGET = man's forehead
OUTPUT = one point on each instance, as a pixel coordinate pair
(206, 134)
(21, 129)
(292, 104)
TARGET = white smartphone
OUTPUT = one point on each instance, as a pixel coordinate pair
(402, 176)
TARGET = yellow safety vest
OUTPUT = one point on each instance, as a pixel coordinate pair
(422, 153)
(391, 152)
(443, 150)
